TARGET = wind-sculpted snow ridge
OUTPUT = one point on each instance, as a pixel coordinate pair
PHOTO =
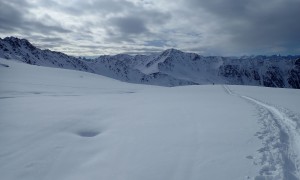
(280, 135)
(168, 68)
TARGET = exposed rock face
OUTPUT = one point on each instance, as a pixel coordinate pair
(273, 78)
(294, 75)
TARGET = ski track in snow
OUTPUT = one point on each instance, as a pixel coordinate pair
(280, 155)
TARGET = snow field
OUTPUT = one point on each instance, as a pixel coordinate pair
(63, 124)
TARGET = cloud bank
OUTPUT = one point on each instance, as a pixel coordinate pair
(215, 27)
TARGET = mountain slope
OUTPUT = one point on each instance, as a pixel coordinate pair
(22, 50)
(269, 71)
(169, 68)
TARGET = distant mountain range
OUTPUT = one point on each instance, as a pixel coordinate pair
(168, 68)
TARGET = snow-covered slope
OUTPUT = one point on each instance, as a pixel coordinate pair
(169, 68)
(73, 125)
(119, 67)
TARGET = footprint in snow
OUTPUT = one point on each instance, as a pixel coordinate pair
(87, 133)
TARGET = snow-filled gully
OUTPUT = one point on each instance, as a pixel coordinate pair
(280, 155)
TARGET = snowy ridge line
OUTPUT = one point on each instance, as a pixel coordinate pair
(281, 139)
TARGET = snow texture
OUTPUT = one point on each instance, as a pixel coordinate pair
(69, 125)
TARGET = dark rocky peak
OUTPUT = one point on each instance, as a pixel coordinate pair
(16, 40)
(171, 52)
(123, 57)
(297, 63)
(17, 43)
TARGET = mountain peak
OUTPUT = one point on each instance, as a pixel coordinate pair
(18, 42)
(12, 38)
(171, 51)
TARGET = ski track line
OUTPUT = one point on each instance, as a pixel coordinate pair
(280, 137)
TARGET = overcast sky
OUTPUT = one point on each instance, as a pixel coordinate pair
(208, 27)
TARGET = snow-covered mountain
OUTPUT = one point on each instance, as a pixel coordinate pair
(125, 68)
(23, 50)
(270, 71)
(169, 68)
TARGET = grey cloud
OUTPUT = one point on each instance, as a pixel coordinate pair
(156, 43)
(228, 8)
(254, 25)
(135, 23)
(51, 39)
(122, 20)
(129, 25)
(10, 16)
(214, 26)
(44, 28)
(12, 19)
(135, 19)
(154, 17)
(46, 42)
(80, 8)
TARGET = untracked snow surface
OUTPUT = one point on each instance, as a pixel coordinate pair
(72, 125)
